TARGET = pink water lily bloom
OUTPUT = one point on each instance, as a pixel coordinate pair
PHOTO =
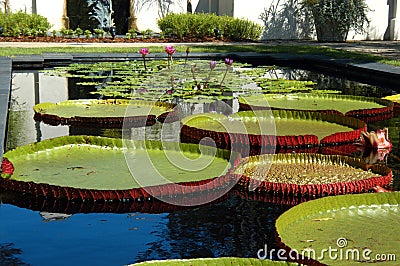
(377, 140)
(228, 61)
(170, 50)
(213, 64)
(144, 51)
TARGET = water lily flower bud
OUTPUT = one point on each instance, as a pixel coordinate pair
(228, 61)
(144, 51)
(213, 64)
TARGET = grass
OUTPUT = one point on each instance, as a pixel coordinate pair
(292, 49)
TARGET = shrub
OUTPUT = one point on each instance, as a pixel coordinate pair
(21, 23)
(87, 33)
(203, 25)
(78, 32)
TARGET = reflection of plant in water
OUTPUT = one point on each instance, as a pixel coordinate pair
(8, 255)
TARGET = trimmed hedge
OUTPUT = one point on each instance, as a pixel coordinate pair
(23, 24)
(203, 25)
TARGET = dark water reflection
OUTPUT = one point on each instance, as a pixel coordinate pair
(104, 234)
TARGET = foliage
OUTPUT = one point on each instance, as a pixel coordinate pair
(99, 32)
(87, 33)
(205, 25)
(78, 32)
(346, 14)
(23, 24)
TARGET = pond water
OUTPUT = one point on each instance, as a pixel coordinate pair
(39, 232)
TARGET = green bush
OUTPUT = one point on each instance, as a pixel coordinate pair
(202, 25)
(23, 24)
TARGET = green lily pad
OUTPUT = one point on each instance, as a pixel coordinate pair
(355, 106)
(102, 164)
(356, 228)
(287, 126)
(111, 112)
(225, 261)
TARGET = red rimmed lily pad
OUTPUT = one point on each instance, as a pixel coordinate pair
(95, 168)
(368, 109)
(356, 228)
(279, 128)
(110, 113)
(309, 174)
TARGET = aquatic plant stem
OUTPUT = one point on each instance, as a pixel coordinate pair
(223, 78)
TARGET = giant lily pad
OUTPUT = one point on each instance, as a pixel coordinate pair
(367, 109)
(309, 174)
(256, 129)
(356, 228)
(104, 113)
(225, 261)
(83, 167)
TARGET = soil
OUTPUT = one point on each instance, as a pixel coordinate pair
(110, 40)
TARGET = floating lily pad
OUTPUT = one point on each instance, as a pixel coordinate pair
(104, 113)
(83, 167)
(225, 261)
(355, 227)
(278, 128)
(367, 109)
(310, 174)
